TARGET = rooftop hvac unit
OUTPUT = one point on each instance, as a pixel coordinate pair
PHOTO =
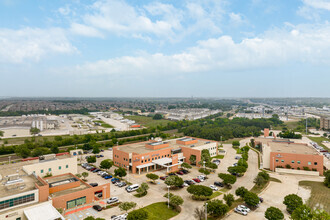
(192, 145)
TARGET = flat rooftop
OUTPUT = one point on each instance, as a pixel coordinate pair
(291, 148)
(140, 148)
(23, 183)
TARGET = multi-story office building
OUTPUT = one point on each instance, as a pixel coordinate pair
(325, 123)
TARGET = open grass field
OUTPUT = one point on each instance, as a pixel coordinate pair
(320, 195)
(218, 157)
(230, 141)
(20, 140)
(319, 140)
(215, 194)
(147, 121)
(159, 211)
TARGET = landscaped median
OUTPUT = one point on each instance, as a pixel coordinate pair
(159, 211)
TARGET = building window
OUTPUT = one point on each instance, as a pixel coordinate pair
(16, 201)
(315, 163)
(309, 163)
(59, 167)
(41, 171)
(276, 160)
(282, 161)
(148, 159)
(49, 169)
(298, 162)
(67, 166)
(292, 161)
(76, 202)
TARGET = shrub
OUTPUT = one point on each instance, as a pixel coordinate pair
(264, 174)
(120, 172)
(327, 178)
(229, 198)
(139, 214)
(288, 166)
(306, 168)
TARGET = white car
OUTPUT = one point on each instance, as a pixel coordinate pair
(112, 200)
(213, 187)
(100, 172)
(240, 211)
(244, 208)
(201, 178)
(185, 185)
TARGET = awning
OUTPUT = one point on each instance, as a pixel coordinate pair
(162, 161)
(44, 211)
(145, 165)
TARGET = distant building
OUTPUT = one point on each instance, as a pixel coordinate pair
(153, 155)
(279, 153)
(325, 123)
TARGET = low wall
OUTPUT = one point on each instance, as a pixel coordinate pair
(299, 172)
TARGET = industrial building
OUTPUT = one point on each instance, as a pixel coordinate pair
(153, 155)
(187, 114)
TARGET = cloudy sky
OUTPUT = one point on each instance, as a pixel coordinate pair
(169, 48)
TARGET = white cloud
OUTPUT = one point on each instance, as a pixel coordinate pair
(85, 30)
(300, 44)
(236, 18)
(318, 4)
(24, 44)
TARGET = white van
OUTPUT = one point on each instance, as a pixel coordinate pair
(132, 188)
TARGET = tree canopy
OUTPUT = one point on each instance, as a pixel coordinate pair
(216, 208)
(120, 172)
(106, 164)
(174, 181)
(273, 213)
(292, 201)
(227, 178)
(200, 190)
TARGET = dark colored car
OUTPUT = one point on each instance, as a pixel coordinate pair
(172, 174)
(102, 150)
(101, 155)
(96, 170)
(114, 180)
(107, 177)
(261, 199)
(92, 169)
(189, 182)
(94, 184)
(163, 177)
(185, 171)
(97, 208)
(100, 195)
(218, 184)
(97, 156)
(180, 172)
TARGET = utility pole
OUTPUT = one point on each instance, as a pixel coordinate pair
(306, 125)
(205, 211)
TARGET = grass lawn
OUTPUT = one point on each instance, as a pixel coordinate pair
(230, 141)
(320, 195)
(258, 189)
(159, 211)
(218, 157)
(319, 140)
(215, 194)
(275, 180)
(147, 121)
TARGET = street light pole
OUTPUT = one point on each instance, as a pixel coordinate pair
(205, 211)
(128, 173)
(204, 164)
(168, 197)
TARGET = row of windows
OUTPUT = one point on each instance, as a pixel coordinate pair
(50, 169)
(298, 162)
(16, 201)
(75, 202)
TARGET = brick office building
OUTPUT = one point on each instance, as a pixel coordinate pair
(152, 155)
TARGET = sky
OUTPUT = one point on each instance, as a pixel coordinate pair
(169, 48)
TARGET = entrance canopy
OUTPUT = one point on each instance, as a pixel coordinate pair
(44, 211)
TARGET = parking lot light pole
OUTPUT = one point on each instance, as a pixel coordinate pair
(204, 164)
(168, 196)
(127, 173)
(205, 211)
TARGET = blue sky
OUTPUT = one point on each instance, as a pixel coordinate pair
(110, 48)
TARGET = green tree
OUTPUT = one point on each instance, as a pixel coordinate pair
(96, 150)
(91, 159)
(23, 151)
(39, 151)
(143, 189)
(92, 218)
(152, 176)
(174, 181)
(125, 206)
(216, 208)
(240, 191)
(327, 178)
(302, 212)
(229, 198)
(34, 131)
(106, 164)
(204, 171)
(54, 149)
(157, 117)
(85, 175)
(292, 201)
(259, 180)
(176, 200)
(228, 179)
(237, 169)
(200, 190)
(192, 159)
(320, 215)
(264, 174)
(186, 166)
(1, 133)
(120, 172)
(273, 213)
(252, 143)
(251, 199)
(235, 144)
(243, 163)
(139, 214)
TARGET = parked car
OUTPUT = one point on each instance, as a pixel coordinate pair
(238, 157)
(185, 184)
(180, 172)
(163, 177)
(213, 187)
(201, 178)
(217, 162)
(92, 169)
(219, 184)
(243, 207)
(107, 177)
(114, 180)
(105, 174)
(261, 199)
(197, 180)
(112, 200)
(97, 156)
(132, 188)
(185, 171)
(97, 208)
(242, 212)
(172, 174)
(101, 155)
(121, 184)
(94, 184)
(96, 170)
(100, 195)
(235, 165)
(102, 150)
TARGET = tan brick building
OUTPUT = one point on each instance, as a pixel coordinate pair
(325, 123)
